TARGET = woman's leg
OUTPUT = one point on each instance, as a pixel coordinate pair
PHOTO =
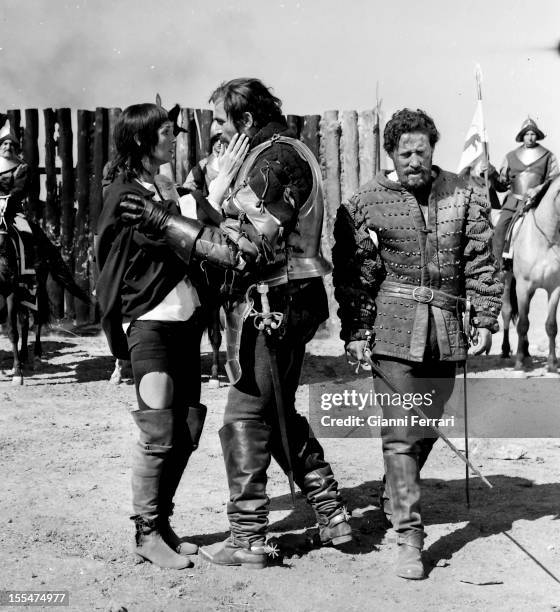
(155, 418)
(189, 414)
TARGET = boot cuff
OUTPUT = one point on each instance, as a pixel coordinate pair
(412, 538)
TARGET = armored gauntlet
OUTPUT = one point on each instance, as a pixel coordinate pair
(186, 237)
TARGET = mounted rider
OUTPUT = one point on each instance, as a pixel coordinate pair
(13, 191)
(525, 173)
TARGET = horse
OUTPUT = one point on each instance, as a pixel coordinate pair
(16, 294)
(536, 265)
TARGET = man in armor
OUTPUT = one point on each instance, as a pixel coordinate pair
(271, 235)
(412, 253)
(525, 172)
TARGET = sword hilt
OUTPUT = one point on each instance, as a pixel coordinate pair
(266, 320)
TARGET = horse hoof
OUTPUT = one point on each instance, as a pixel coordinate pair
(17, 380)
(115, 380)
(505, 355)
(213, 383)
(518, 367)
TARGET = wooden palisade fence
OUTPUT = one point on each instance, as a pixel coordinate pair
(344, 143)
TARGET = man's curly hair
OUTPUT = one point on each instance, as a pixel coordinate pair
(406, 121)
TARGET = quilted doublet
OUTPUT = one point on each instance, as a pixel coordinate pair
(450, 251)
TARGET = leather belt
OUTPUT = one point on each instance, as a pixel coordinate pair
(423, 295)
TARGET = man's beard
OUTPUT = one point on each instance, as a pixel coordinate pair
(419, 183)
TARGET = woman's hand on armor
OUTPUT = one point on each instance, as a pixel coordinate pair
(146, 214)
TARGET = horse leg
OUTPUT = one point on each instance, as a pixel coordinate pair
(506, 315)
(215, 336)
(23, 316)
(551, 327)
(524, 297)
(13, 336)
(37, 347)
(116, 376)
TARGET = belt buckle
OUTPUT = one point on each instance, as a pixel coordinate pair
(422, 294)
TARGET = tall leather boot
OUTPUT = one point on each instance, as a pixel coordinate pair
(150, 455)
(247, 457)
(425, 447)
(315, 478)
(403, 481)
(186, 440)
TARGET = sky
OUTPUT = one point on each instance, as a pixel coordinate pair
(316, 54)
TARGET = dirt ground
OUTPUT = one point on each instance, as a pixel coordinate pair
(64, 441)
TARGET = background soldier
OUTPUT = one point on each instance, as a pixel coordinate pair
(526, 171)
(410, 246)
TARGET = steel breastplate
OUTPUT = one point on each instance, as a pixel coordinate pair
(299, 256)
(524, 181)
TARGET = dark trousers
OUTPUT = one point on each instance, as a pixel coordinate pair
(500, 232)
(251, 431)
(165, 358)
(406, 447)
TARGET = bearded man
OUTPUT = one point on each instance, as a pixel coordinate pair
(412, 251)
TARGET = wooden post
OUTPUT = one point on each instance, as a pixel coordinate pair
(184, 146)
(349, 174)
(294, 124)
(14, 117)
(52, 208)
(114, 114)
(377, 142)
(310, 133)
(31, 156)
(330, 162)
(203, 120)
(64, 118)
(100, 142)
(81, 242)
(366, 138)
(99, 155)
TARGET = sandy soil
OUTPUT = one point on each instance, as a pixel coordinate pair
(65, 438)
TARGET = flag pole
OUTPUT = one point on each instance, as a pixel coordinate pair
(376, 133)
(478, 73)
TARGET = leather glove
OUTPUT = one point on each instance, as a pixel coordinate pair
(232, 229)
(356, 354)
(482, 341)
(149, 216)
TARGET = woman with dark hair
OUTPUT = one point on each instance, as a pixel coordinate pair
(149, 314)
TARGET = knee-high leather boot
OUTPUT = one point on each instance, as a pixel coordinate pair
(425, 446)
(247, 457)
(151, 453)
(186, 438)
(315, 478)
(403, 482)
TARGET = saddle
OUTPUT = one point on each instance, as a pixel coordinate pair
(515, 224)
(24, 243)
